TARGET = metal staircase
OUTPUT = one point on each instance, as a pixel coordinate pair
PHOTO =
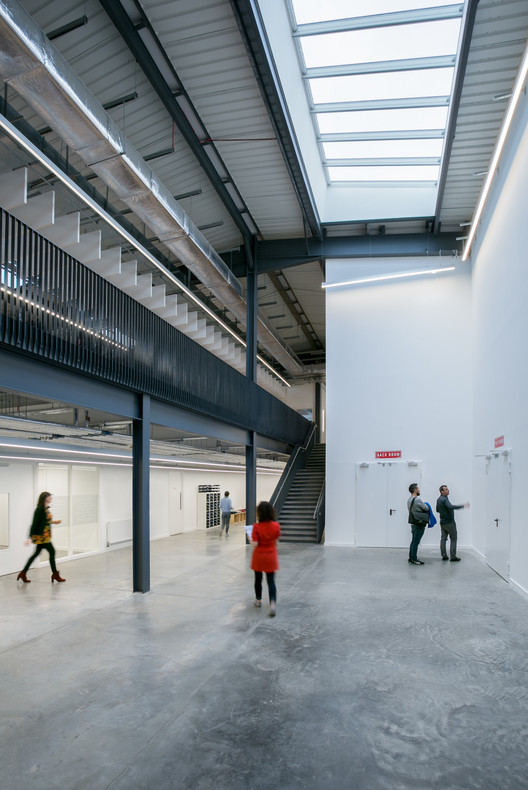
(298, 513)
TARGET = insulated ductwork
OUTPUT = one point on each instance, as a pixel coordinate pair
(38, 72)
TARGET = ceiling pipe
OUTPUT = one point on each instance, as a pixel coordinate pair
(33, 67)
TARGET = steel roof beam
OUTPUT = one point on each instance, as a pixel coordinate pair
(283, 254)
(381, 67)
(392, 161)
(390, 134)
(180, 108)
(274, 255)
(468, 25)
(373, 21)
(415, 102)
(253, 33)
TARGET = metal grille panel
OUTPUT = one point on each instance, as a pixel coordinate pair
(53, 307)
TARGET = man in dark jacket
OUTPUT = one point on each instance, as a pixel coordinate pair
(448, 526)
(418, 519)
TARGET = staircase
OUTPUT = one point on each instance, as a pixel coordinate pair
(296, 516)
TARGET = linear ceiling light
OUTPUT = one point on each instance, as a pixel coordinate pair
(93, 453)
(395, 276)
(43, 159)
(512, 106)
(265, 471)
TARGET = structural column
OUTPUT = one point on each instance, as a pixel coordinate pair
(316, 417)
(251, 373)
(141, 498)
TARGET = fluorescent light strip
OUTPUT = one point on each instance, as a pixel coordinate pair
(512, 106)
(396, 276)
(161, 459)
(34, 151)
(129, 465)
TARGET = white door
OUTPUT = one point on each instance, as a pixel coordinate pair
(498, 485)
(399, 477)
(381, 502)
(175, 502)
(371, 504)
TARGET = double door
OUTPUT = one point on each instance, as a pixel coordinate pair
(382, 491)
(498, 486)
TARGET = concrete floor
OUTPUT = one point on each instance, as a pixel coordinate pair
(375, 674)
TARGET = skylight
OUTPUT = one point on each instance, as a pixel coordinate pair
(379, 77)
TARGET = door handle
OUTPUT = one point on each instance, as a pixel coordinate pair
(496, 520)
(392, 510)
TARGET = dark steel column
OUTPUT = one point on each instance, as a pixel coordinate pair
(316, 417)
(140, 498)
(251, 326)
(251, 480)
(251, 373)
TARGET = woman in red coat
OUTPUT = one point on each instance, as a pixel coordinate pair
(265, 559)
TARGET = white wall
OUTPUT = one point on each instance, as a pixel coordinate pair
(398, 378)
(173, 501)
(500, 325)
(17, 480)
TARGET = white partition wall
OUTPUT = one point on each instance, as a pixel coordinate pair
(398, 379)
(94, 504)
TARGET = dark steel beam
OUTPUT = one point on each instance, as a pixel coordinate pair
(169, 97)
(285, 253)
(253, 32)
(43, 379)
(185, 420)
(286, 292)
(469, 23)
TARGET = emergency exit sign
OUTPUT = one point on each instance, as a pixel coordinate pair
(388, 453)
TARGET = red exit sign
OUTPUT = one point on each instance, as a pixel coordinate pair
(499, 441)
(388, 453)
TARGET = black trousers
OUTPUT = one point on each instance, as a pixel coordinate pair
(270, 578)
(49, 548)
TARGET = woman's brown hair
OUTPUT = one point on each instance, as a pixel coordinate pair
(42, 498)
(266, 512)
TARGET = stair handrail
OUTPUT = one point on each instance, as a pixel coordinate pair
(319, 513)
(296, 461)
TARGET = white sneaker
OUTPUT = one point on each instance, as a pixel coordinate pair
(258, 604)
(272, 609)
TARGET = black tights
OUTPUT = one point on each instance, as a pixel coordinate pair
(50, 549)
(270, 577)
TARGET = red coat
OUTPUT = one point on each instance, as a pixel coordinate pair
(265, 557)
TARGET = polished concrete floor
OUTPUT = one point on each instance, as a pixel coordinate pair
(375, 674)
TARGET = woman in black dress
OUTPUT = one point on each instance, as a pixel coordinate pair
(40, 535)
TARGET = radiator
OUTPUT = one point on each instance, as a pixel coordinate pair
(118, 531)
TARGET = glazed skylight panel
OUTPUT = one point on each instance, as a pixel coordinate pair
(382, 78)
(310, 11)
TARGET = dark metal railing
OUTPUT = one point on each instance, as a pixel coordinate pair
(55, 308)
(296, 461)
(319, 514)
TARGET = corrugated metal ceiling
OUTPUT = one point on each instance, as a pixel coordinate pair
(206, 48)
(497, 45)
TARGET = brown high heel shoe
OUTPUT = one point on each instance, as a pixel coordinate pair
(56, 577)
(22, 575)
